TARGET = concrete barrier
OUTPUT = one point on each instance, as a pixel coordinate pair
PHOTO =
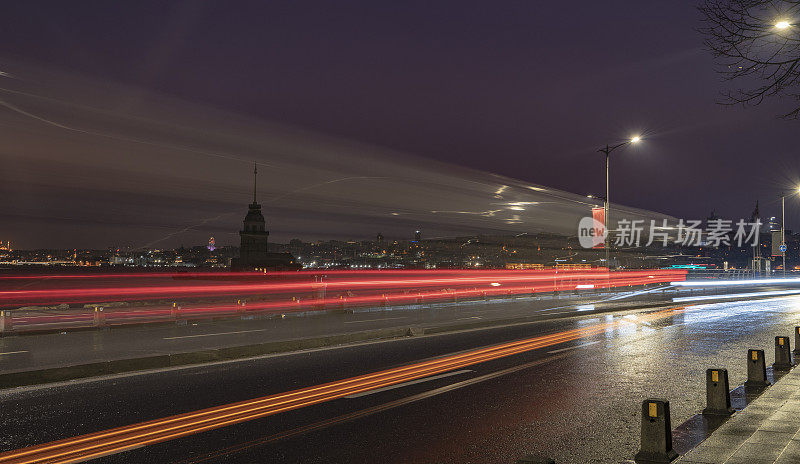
(656, 443)
(796, 351)
(137, 364)
(783, 356)
(415, 331)
(756, 369)
(99, 317)
(6, 324)
(718, 395)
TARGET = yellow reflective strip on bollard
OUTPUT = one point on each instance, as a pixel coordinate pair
(652, 410)
(755, 355)
(780, 341)
(715, 376)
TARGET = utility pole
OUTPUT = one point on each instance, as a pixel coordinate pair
(783, 232)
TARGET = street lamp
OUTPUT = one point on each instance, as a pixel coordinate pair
(607, 150)
(783, 229)
(782, 25)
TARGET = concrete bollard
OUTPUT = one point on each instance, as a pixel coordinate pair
(6, 324)
(99, 317)
(783, 357)
(796, 351)
(718, 395)
(535, 459)
(656, 445)
(756, 369)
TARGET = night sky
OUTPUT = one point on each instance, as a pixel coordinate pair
(527, 90)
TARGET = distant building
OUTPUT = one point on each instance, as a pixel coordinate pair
(253, 251)
(417, 235)
(774, 226)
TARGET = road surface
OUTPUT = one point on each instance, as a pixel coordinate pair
(576, 402)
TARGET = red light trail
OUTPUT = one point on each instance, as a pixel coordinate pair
(391, 288)
(565, 279)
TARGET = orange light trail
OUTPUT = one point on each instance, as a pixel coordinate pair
(85, 447)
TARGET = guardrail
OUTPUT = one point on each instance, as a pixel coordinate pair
(736, 274)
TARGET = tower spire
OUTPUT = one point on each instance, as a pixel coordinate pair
(255, 177)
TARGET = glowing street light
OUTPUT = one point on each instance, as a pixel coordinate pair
(607, 150)
(782, 25)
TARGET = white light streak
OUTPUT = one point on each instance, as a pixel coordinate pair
(724, 283)
(735, 295)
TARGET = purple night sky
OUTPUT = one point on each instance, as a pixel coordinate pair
(524, 90)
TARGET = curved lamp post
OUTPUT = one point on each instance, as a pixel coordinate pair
(607, 150)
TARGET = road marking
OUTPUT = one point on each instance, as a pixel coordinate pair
(13, 352)
(364, 412)
(215, 334)
(405, 384)
(468, 318)
(572, 347)
(374, 320)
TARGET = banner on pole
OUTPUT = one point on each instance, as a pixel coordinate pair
(599, 216)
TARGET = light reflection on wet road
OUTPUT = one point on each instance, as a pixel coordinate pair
(576, 405)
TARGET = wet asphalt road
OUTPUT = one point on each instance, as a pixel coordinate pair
(575, 402)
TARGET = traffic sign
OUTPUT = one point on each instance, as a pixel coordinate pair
(782, 248)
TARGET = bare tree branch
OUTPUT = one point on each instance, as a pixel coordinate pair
(752, 50)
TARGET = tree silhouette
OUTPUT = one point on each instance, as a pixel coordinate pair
(757, 44)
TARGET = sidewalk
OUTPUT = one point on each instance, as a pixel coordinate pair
(766, 431)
